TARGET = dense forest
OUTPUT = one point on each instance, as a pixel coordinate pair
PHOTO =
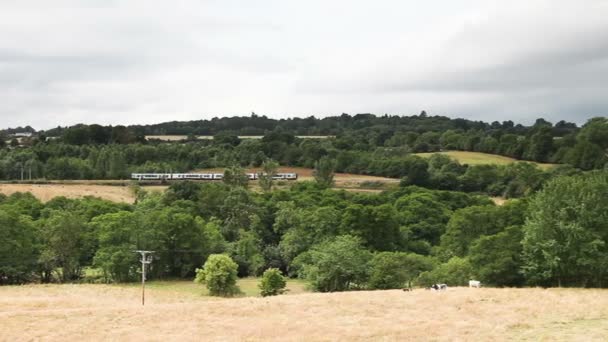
(334, 239)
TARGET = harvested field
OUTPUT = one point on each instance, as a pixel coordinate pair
(103, 312)
(478, 158)
(208, 137)
(342, 180)
(46, 192)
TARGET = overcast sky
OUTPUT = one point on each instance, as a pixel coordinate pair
(124, 62)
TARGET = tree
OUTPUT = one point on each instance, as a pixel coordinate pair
(116, 233)
(496, 259)
(269, 169)
(324, 171)
(219, 274)
(67, 244)
(466, 225)
(18, 252)
(247, 254)
(183, 190)
(566, 235)
(338, 264)
(273, 283)
(393, 270)
(235, 176)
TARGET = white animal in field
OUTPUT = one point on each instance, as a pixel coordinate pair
(438, 287)
(474, 283)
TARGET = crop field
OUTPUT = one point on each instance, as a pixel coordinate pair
(208, 137)
(347, 181)
(180, 311)
(118, 191)
(477, 158)
(46, 192)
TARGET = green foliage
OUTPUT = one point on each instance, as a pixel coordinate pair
(18, 250)
(219, 274)
(269, 169)
(235, 176)
(456, 272)
(183, 190)
(324, 171)
(273, 283)
(338, 264)
(67, 244)
(496, 259)
(393, 270)
(566, 234)
(247, 254)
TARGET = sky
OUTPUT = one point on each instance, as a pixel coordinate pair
(64, 62)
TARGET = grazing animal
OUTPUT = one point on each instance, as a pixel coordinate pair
(474, 283)
(407, 289)
(438, 287)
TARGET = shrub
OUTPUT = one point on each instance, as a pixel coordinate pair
(456, 272)
(273, 283)
(219, 274)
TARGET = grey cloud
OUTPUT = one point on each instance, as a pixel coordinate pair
(123, 62)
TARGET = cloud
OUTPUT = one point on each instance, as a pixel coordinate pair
(123, 62)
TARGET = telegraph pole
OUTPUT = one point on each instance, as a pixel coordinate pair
(145, 260)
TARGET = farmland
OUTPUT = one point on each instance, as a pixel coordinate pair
(118, 191)
(176, 311)
(46, 192)
(478, 158)
(209, 137)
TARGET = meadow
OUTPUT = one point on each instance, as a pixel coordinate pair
(479, 158)
(180, 311)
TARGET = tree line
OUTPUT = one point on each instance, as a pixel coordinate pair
(336, 240)
(362, 135)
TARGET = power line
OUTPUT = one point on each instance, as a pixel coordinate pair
(145, 260)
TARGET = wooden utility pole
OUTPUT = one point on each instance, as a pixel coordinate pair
(145, 260)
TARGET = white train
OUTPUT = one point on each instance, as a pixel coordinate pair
(204, 176)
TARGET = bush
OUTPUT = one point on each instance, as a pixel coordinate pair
(456, 272)
(273, 283)
(219, 274)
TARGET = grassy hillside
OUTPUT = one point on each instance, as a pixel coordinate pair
(477, 158)
(105, 312)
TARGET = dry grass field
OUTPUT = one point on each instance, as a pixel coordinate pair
(117, 191)
(207, 137)
(46, 192)
(477, 158)
(103, 312)
(346, 181)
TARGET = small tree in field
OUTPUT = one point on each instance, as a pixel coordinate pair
(219, 274)
(324, 171)
(273, 283)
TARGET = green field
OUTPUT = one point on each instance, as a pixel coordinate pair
(478, 158)
(249, 287)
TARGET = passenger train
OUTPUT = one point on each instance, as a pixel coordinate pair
(204, 176)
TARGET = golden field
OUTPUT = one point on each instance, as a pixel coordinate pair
(46, 192)
(478, 158)
(119, 191)
(106, 312)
